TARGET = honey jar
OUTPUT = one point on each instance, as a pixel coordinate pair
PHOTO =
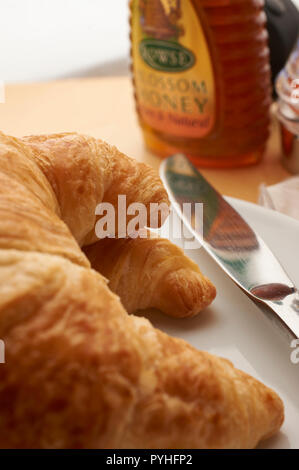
(201, 78)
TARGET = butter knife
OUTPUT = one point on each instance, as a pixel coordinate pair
(233, 244)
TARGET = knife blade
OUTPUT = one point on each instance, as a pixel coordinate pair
(233, 244)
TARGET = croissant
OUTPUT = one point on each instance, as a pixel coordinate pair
(166, 278)
(80, 372)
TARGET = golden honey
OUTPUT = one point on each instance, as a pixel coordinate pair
(201, 78)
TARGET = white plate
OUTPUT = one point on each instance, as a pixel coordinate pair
(233, 327)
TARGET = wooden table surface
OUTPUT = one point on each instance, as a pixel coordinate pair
(104, 107)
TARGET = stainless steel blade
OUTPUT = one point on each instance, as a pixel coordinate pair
(240, 252)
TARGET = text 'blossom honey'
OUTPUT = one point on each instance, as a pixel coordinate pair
(202, 78)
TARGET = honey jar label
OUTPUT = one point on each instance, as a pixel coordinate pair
(173, 71)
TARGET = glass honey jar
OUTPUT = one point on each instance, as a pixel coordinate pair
(201, 78)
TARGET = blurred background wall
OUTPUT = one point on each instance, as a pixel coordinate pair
(51, 39)
(48, 39)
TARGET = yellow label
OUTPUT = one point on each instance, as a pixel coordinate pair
(173, 72)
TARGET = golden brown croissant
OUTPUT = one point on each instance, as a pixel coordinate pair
(151, 272)
(80, 372)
